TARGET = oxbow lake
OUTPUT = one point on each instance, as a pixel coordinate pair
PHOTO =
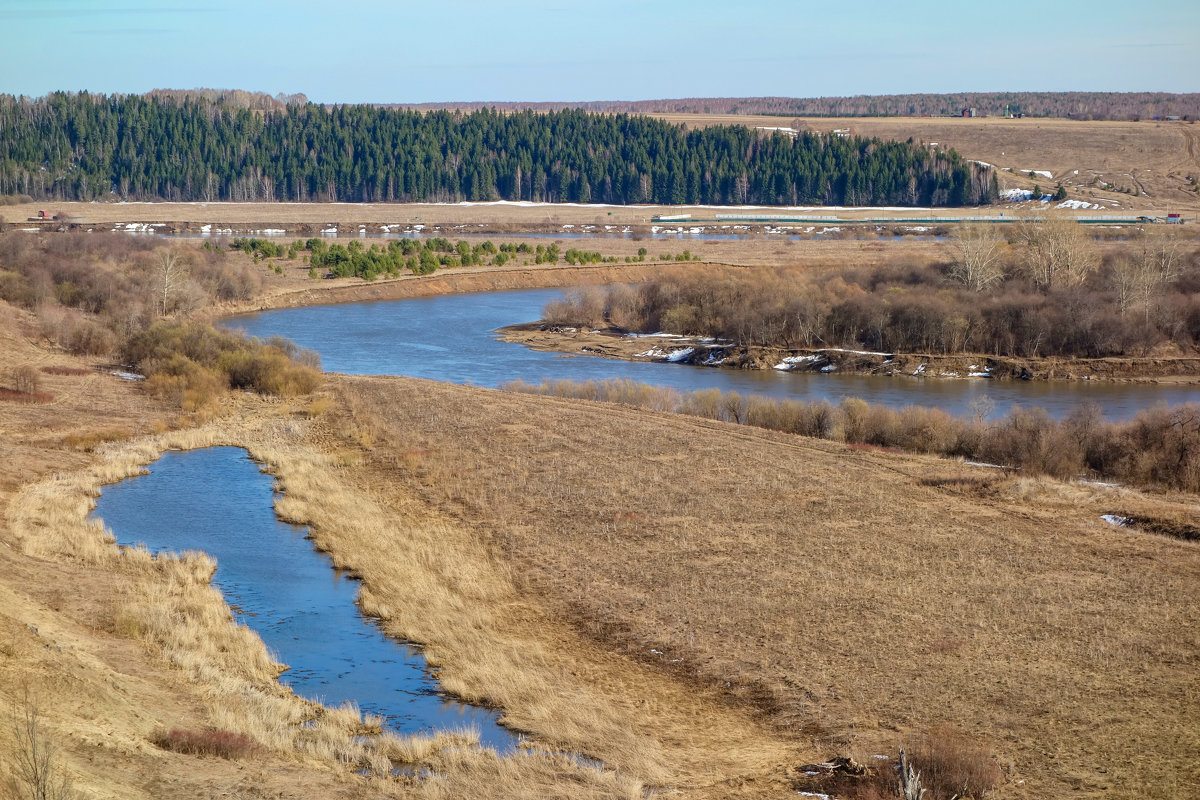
(284, 589)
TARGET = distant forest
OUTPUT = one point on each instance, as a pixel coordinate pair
(1071, 105)
(208, 145)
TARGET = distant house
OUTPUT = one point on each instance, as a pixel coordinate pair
(968, 112)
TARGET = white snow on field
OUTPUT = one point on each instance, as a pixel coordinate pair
(659, 335)
(984, 374)
(129, 376)
(985, 164)
(981, 464)
(1016, 195)
(329, 231)
(206, 228)
(1044, 172)
(1113, 519)
(1077, 204)
(920, 370)
(829, 368)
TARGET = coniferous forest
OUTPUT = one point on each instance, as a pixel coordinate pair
(68, 146)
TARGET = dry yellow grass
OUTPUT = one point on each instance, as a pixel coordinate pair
(841, 592)
(819, 600)
(487, 642)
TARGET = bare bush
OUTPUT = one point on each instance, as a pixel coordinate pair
(37, 769)
(952, 765)
(206, 742)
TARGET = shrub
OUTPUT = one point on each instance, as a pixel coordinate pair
(952, 765)
(206, 742)
(266, 370)
(58, 370)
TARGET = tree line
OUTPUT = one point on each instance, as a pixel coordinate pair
(68, 146)
(419, 256)
(1072, 105)
(1044, 290)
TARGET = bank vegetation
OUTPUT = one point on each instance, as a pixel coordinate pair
(1033, 289)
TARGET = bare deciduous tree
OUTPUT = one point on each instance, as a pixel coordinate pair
(1132, 281)
(37, 770)
(170, 274)
(977, 251)
(1058, 251)
(26, 379)
(1161, 253)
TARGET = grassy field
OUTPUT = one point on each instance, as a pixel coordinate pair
(702, 607)
(854, 597)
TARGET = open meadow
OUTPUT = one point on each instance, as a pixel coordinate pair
(703, 608)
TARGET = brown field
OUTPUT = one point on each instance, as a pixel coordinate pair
(702, 607)
(850, 596)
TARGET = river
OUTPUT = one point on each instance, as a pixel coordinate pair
(452, 338)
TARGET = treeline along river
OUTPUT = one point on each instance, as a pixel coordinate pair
(452, 339)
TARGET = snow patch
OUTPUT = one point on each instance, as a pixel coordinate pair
(1114, 519)
(791, 361)
(129, 376)
(680, 355)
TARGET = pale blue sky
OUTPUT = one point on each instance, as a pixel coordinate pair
(374, 51)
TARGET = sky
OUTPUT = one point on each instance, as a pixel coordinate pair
(553, 50)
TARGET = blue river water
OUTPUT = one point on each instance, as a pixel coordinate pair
(288, 592)
(452, 338)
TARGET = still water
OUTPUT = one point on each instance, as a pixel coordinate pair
(451, 338)
(217, 500)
